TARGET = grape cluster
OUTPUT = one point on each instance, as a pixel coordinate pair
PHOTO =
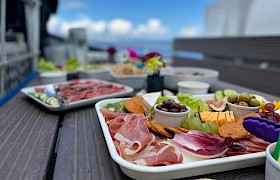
(171, 106)
(193, 121)
(270, 114)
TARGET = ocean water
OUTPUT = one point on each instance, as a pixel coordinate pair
(165, 48)
(141, 46)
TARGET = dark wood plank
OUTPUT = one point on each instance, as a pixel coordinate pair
(257, 48)
(82, 151)
(27, 138)
(250, 77)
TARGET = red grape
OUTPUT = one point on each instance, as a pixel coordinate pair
(262, 114)
(269, 107)
(271, 118)
(269, 113)
(277, 116)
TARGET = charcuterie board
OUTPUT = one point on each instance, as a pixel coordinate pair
(191, 165)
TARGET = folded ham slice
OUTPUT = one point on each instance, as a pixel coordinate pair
(136, 144)
(201, 144)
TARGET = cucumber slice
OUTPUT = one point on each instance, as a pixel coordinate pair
(45, 99)
(49, 100)
(228, 92)
(42, 96)
(219, 95)
(54, 102)
(31, 93)
(36, 94)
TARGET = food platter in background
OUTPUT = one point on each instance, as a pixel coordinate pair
(89, 97)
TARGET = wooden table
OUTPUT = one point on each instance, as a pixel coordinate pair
(38, 144)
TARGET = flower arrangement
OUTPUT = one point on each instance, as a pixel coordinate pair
(153, 63)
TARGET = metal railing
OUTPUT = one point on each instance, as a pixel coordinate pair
(18, 58)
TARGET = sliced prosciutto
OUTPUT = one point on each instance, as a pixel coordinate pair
(247, 146)
(109, 115)
(133, 134)
(79, 90)
(201, 144)
(136, 144)
(161, 154)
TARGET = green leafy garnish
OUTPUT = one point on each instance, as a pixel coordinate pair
(194, 103)
(163, 98)
(118, 106)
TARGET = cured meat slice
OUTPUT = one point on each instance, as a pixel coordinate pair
(247, 146)
(161, 154)
(135, 143)
(201, 144)
(115, 124)
(109, 115)
(133, 134)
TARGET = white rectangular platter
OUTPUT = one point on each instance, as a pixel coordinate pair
(191, 166)
(79, 103)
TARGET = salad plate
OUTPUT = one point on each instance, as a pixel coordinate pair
(191, 166)
(79, 103)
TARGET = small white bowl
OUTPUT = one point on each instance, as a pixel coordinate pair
(171, 119)
(272, 167)
(52, 77)
(193, 87)
(134, 81)
(240, 110)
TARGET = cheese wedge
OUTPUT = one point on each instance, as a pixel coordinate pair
(149, 100)
(228, 117)
(210, 117)
(232, 116)
(204, 115)
(221, 118)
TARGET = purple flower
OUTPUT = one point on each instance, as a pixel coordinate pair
(150, 55)
(111, 50)
(132, 53)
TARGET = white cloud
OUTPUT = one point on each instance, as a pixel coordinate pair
(73, 4)
(119, 26)
(116, 28)
(192, 31)
(153, 27)
(61, 27)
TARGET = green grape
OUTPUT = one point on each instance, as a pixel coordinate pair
(185, 124)
(195, 124)
(214, 128)
(206, 128)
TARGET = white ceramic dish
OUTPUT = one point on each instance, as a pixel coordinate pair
(169, 118)
(193, 87)
(240, 110)
(52, 77)
(192, 166)
(171, 78)
(272, 167)
(80, 103)
(134, 81)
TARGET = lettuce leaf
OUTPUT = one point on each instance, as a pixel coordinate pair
(194, 103)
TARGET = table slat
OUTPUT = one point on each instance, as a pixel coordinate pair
(27, 138)
(82, 152)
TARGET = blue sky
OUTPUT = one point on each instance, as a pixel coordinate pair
(131, 19)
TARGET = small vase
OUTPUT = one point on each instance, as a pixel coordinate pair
(155, 83)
